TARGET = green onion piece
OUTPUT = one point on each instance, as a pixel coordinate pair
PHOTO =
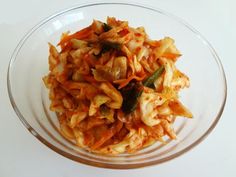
(107, 46)
(106, 27)
(130, 95)
(134, 90)
(149, 82)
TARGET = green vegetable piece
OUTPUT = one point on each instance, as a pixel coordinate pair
(134, 90)
(110, 45)
(106, 27)
(149, 82)
(107, 46)
(130, 95)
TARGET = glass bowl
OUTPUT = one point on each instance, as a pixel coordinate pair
(205, 98)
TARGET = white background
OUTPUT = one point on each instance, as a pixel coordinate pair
(22, 155)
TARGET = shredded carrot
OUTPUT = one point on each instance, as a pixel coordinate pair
(154, 43)
(124, 82)
(82, 34)
(172, 56)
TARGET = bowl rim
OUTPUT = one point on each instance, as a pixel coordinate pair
(104, 164)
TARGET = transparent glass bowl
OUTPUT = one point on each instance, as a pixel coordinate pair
(205, 98)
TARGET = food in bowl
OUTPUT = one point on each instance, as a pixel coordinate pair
(114, 89)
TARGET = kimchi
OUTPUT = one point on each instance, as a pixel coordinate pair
(113, 89)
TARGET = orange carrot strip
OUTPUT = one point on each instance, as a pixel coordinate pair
(172, 56)
(82, 34)
(154, 43)
(124, 82)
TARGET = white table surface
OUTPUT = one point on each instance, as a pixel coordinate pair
(22, 155)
